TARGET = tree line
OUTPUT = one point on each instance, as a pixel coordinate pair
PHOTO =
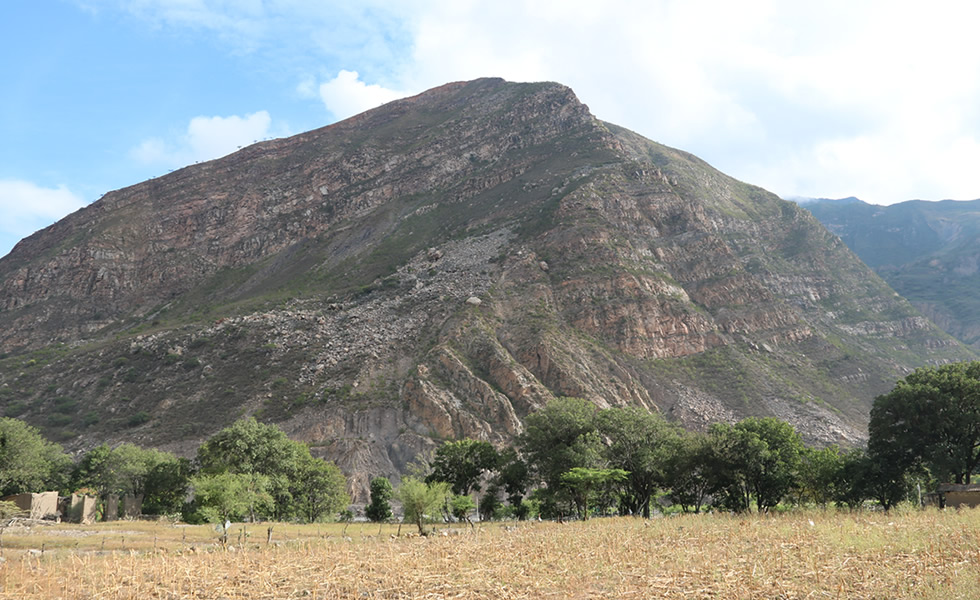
(573, 458)
(576, 459)
(248, 470)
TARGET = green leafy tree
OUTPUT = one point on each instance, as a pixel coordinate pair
(166, 486)
(513, 477)
(688, 470)
(559, 437)
(379, 509)
(461, 507)
(587, 485)
(852, 485)
(771, 473)
(462, 463)
(421, 500)
(231, 496)
(490, 503)
(886, 481)
(126, 470)
(735, 453)
(819, 475)
(638, 443)
(756, 458)
(251, 448)
(930, 420)
(94, 471)
(28, 462)
(319, 488)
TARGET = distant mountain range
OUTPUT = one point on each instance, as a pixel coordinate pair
(929, 252)
(440, 267)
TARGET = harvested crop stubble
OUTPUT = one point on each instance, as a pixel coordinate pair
(863, 555)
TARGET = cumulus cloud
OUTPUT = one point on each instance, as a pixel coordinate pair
(346, 95)
(878, 98)
(26, 207)
(205, 138)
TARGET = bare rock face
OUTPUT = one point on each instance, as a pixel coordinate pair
(441, 267)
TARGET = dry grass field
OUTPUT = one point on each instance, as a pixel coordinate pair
(914, 554)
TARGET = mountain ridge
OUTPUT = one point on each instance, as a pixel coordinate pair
(440, 267)
(928, 251)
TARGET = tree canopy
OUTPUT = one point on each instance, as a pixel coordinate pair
(930, 420)
(421, 501)
(28, 462)
(298, 483)
(462, 463)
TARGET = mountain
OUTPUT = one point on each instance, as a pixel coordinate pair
(928, 252)
(440, 267)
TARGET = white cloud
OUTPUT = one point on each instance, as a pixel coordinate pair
(346, 95)
(878, 98)
(206, 138)
(26, 207)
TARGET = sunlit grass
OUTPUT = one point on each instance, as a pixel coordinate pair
(915, 554)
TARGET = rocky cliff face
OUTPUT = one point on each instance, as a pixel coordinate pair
(440, 267)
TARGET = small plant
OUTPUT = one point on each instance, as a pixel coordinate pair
(9, 510)
(137, 419)
(15, 409)
(59, 420)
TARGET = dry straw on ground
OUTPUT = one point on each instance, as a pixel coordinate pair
(928, 554)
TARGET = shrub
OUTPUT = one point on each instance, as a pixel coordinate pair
(138, 419)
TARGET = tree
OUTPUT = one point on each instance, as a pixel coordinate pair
(461, 506)
(166, 486)
(772, 473)
(688, 470)
(586, 485)
(319, 488)
(561, 436)
(95, 471)
(379, 509)
(420, 500)
(757, 457)
(513, 477)
(128, 469)
(252, 448)
(637, 444)
(931, 420)
(819, 475)
(490, 503)
(28, 462)
(231, 496)
(463, 463)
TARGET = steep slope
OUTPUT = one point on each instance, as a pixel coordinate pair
(440, 267)
(929, 252)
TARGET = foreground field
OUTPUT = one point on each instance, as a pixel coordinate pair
(928, 554)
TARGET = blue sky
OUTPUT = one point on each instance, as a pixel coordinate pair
(875, 99)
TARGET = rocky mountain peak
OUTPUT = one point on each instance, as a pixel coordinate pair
(440, 267)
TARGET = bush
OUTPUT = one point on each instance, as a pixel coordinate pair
(379, 510)
(138, 419)
(9, 510)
